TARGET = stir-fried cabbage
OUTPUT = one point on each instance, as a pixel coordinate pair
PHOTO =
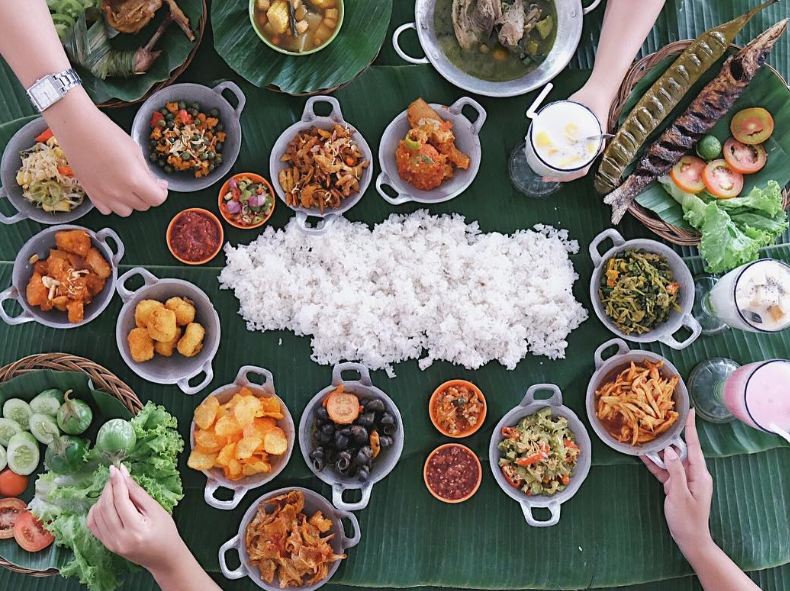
(47, 179)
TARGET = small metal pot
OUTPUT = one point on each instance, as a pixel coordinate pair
(569, 30)
(312, 502)
(208, 98)
(662, 333)
(467, 139)
(215, 478)
(309, 120)
(529, 406)
(606, 370)
(40, 245)
(11, 163)
(177, 369)
(385, 462)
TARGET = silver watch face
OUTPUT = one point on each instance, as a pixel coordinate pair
(44, 93)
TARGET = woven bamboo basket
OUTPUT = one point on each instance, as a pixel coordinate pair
(639, 70)
(102, 379)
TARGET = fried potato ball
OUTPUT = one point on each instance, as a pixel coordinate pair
(141, 345)
(192, 342)
(143, 311)
(166, 349)
(184, 309)
(162, 325)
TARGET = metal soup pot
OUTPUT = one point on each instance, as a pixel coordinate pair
(569, 31)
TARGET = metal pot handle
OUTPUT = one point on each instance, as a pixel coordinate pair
(17, 217)
(622, 349)
(595, 254)
(322, 226)
(231, 544)
(676, 442)
(212, 501)
(458, 106)
(526, 508)
(12, 294)
(693, 325)
(356, 537)
(309, 108)
(337, 498)
(126, 294)
(101, 238)
(364, 374)
(183, 383)
(554, 400)
(403, 55)
(243, 380)
(383, 180)
(236, 91)
(591, 7)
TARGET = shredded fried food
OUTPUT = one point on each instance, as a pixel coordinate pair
(325, 167)
(286, 544)
(639, 404)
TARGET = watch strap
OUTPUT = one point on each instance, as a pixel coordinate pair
(48, 90)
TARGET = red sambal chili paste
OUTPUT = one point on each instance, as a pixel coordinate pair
(452, 472)
(195, 236)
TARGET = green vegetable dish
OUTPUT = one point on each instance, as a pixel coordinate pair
(539, 454)
(638, 291)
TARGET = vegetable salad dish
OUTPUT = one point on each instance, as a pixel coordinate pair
(538, 454)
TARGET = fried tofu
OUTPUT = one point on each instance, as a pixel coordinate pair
(192, 342)
(74, 241)
(183, 308)
(162, 325)
(141, 345)
(143, 311)
(76, 311)
(166, 349)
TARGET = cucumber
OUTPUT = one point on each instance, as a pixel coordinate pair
(44, 428)
(8, 429)
(17, 410)
(47, 402)
(3, 462)
(23, 454)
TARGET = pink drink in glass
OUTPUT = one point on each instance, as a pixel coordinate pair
(759, 394)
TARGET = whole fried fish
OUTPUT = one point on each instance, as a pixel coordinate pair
(710, 105)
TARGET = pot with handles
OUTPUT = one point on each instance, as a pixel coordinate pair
(570, 14)
(528, 406)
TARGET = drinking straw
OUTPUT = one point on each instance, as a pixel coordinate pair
(533, 108)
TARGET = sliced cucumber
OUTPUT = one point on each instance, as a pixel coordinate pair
(8, 429)
(17, 410)
(48, 402)
(3, 462)
(44, 428)
(23, 454)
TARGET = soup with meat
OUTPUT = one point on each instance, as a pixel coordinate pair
(298, 26)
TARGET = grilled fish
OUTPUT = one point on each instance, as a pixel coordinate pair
(712, 103)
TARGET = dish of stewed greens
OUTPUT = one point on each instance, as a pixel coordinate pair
(538, 455)
(496, 40)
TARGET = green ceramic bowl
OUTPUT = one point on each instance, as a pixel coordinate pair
(341, 8)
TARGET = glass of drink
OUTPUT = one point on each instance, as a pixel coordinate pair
(755, 297)
(563, 138)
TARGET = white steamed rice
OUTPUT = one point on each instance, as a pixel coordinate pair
(414, 287)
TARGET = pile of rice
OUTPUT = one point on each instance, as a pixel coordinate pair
(415, 286)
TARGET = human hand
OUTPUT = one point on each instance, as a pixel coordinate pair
(689, 490)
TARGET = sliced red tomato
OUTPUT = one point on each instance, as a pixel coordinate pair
(156, 117)
(30, 534)
(10, 510)
(687, 174)
(44, 135)
(721, 180)
(184, 117)
(744, 158)
(752, 126)
(11, 484)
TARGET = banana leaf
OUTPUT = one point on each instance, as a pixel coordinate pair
(353, 50)
(104, 407)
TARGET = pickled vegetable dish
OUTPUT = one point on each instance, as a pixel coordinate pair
(298, 26)
(246, 202)
(538, 454)
(185, 138)
(458, 409)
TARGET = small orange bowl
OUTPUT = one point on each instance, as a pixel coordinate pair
(205, 213)
(255, 178)
(434, 401)
(473, 490)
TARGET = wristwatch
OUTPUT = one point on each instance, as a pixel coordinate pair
(48, 90)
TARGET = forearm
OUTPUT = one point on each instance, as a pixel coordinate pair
(716, 571)
(183, 573)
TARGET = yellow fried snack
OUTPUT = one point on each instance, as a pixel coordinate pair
(206, 412)
(141, 345)
(166, 349)
(143, 310)
(162, 325)
(192, 342)
(184, 309)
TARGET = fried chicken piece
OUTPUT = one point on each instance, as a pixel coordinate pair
(162, 325)
(73, 241)
(141, 345)
(130, 16)
(97, 263)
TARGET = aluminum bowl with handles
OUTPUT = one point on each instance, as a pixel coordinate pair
(208, 98)
(215, 478)
(467, 140)
(176, 369)
(663, 333)
(528, 406)
(570, 14)
(386, 460)
(606, 370)
(312, 502)
(39, 246)
(11, 163)
(309, 120)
